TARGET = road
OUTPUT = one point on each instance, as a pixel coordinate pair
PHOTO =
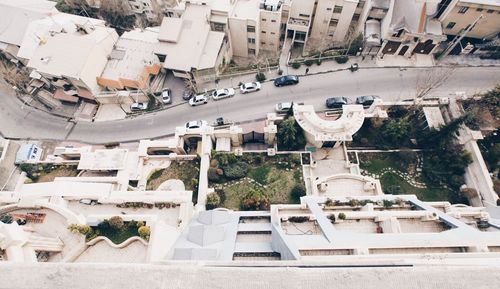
(391, 84)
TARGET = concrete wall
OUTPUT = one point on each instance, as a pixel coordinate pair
(270, 23)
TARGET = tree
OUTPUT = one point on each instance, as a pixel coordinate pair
(298, 191)
(342, 216)
(355, 45)
(290, 135)
(118, 14)
(213, 201)
(396, 130)
(430, 79)
(144, 232)
(116, 223)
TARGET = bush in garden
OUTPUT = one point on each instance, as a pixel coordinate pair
(260, 76)
(332, 218)
(116, 223)
(213, 201)
(296, 65)
(308, 62)
(341, 59)
(144, 232)
(255, 200)
(212, 175)
(342, 216)
(236, 171)
(298, 191)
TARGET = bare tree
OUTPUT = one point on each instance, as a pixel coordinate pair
(118, 14)
(430, 79)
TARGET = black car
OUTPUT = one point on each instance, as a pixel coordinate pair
(336, 102)
(366, 100)
(286, 80)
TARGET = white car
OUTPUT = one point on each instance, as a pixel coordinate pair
(196, 124)
(138, 106)
(198, 100)
(222, 93)
(283, 107)
(166, 96)
(250, 87)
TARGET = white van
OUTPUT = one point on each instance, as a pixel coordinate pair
(28, 152)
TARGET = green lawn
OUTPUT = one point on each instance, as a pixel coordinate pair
(276, 176)
(118, 236)
(394, 184)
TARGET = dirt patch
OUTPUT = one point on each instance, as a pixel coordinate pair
(59, 172)
(186, 171)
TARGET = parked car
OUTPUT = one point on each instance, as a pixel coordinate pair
(186, 95)
(336, 102)
(283, 107)
(198, 100)
(366, 100)
(166, 96)
(28, 152)
(138, 106)
(222, 93)
(250, 87)
(195, 124)
(286, 80)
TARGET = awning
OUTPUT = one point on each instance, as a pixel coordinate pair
(61, 95)
(85, 93)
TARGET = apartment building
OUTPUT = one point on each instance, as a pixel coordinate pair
(459, 15)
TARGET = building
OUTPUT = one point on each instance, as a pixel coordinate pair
(15, 20)
(410, 28)
(73, 61)
(189, 48)
(132, 61)
(458, 15)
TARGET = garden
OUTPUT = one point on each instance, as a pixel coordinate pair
(254, 181)
(115, 229)
(186, 171)
(436, 172)
(41, 173)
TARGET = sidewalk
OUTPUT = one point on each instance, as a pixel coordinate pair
(389, 61)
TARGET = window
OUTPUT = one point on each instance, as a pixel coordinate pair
(251, 51)
(274, 21)
(450, 25)
(361, 4)
(337, 9)
(334, 22)
(263, 20)
(304, 15)
(479, 9)
(262, 42)
(490, 11)
(263, 31)
(250, 28)
(355, 17)
(272, 33)
(251, 40)
(218, 26)
(329, 9)
(463, 9)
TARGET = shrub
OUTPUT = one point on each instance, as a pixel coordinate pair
(318, 61)
(214, 163)
(116, 223)
(144, 232)
(298, 191)
(132, 224)
(342, 216)
(332, 218)
(255, 200)
(296, 65)
(213, 201)
(212, 175)
(85, 230)
(260, 76)
(341, 59)
(236, 171)
(156, 174)
(298, 219)
(6, 218)
(309, 62)
(329, 202)
(280, 71)
(104, 225)
(387, 204)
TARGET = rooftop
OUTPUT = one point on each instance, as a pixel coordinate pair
(188, 42)
(133, 51)
(18, 14)
(76, 55)
(246, 9)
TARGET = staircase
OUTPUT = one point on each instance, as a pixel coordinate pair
(45, 244)
(253, 241)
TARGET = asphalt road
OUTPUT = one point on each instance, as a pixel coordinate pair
(391, 84)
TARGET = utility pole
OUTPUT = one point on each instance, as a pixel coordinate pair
(459, 37)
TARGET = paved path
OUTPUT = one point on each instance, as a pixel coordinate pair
(390, 83)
